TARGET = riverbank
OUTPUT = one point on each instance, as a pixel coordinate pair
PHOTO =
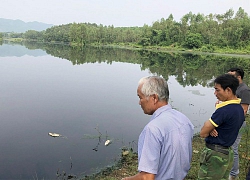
(226, 51)
(245, 53)
(127, 165)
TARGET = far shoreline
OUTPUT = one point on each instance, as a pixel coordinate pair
(131, 46)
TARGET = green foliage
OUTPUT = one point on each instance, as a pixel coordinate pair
(144, 42)
(244, 148)
(33, 35)
(193, 31)
(207, 48)
(193, 40)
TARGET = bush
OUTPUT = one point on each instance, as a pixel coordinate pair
(207, 48)
(193, 40)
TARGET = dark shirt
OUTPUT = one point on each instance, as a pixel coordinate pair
(227, 119)
(243, 92)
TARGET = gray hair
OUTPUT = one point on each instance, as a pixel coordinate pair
(155, 85)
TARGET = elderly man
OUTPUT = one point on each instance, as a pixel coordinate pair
(165, 144)
(221, 130)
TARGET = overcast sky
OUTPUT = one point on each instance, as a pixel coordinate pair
(112, 12)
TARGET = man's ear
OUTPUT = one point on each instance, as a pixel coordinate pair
(239, 77)
(229, 90)
(155, 97)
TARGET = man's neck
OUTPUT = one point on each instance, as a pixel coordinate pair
(161, 103)
(234, 97)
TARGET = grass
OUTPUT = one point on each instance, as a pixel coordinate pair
(127, 165)
(179, 48)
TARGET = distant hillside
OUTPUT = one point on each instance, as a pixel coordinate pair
(18, 26)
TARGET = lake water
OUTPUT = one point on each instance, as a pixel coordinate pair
(86, 103)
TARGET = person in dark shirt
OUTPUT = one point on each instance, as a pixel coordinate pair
(242, 92)
(217, 156)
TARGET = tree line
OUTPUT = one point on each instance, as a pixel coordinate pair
(193, 31)
(1, 36)
(189, 69)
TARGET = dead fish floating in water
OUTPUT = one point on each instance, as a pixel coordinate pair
(54, 134)
(57, 135)
(108, 142)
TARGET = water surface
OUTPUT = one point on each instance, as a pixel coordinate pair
(86, 103)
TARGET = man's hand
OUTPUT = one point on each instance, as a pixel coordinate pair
(245, 108)
(217, 102)
(141, 176)
(214, 133)
(207, 128)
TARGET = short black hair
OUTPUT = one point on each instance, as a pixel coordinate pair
(228, 81)
(238, 71)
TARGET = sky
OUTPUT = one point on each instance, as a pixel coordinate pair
(120, 13)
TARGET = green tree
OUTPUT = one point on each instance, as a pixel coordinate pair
(193, 40)
(1, 36)
(73, 34)
(82, 31)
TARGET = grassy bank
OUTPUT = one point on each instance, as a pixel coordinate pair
(127, 165)
(241, 52)
(222, 51)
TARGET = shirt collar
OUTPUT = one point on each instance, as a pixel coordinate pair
(160, 110)
(237, 101)
(240, 85)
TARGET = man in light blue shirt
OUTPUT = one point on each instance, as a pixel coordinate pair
(165, 144)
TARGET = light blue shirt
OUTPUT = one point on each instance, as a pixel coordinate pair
(165, 145)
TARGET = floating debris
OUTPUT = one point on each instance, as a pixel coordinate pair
(54, 134)
(245, 157)
(196, 151)
(125, 153)
(57, 135)
(107, 142)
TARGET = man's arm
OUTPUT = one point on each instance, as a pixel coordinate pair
(245, 108)
(245, 99)
(206, 129)
(141, 176)
(214, 133)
